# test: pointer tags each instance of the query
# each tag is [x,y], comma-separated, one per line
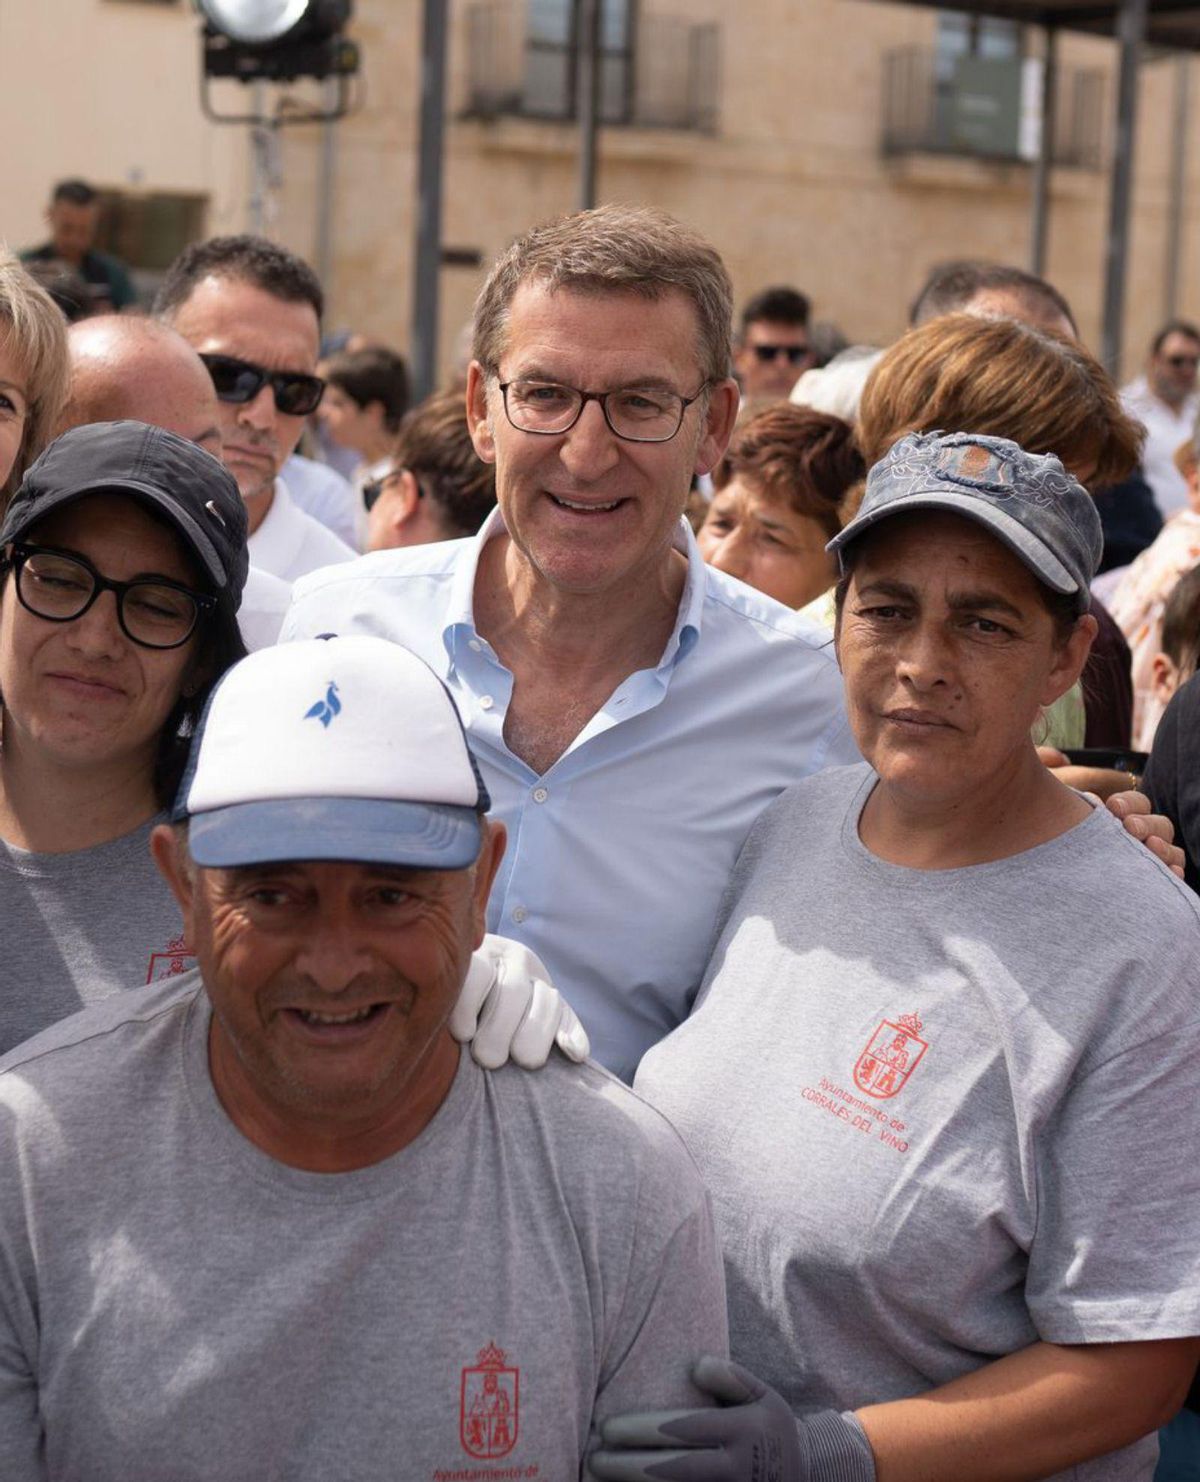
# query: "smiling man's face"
[590,511]
[331,983]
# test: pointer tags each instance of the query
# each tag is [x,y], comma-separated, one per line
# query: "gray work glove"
[752,1437]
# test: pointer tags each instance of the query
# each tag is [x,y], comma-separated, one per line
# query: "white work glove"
[509,1008]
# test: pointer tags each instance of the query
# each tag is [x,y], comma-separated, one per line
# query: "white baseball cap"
[332,748]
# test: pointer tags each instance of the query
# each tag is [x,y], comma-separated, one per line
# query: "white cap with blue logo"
[338,749]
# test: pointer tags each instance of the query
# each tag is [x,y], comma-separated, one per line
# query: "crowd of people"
[762,714]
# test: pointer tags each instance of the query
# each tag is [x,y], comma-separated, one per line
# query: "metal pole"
[1176,186]
[1040,223]
[260,166]
[1131,28]
[429,199]
[587,92]
[326,181]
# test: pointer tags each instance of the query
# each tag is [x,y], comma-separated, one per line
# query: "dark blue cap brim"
[29,512]
[420,836]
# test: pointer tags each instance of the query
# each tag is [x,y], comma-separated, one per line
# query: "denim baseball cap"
[184,485]
[1026,500]
[336,749]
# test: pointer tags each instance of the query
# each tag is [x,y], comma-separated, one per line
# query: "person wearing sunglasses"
[772,349]
[436,487]
[252,310]
[1166,399]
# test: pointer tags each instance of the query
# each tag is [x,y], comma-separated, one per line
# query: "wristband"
[838,1449]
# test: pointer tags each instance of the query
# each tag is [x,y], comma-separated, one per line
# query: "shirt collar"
[461,610]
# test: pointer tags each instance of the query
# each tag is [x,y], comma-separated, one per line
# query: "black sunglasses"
[795,353]
[372,491]
[239,381]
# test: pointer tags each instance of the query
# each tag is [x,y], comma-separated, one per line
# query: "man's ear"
[478,421]
[170,855]
[491,852]
[719,417]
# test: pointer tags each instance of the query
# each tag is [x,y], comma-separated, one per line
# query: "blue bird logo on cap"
[324,710]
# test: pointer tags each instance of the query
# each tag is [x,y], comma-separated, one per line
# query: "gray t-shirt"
[81,926]
[943,1114]
[176,1304]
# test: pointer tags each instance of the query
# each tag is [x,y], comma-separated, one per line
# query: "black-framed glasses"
[371,491]
[60,586]
[1184,362]
[638,414]
[793,353]
[239,381]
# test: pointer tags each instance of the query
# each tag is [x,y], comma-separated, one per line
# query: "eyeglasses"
[372,491]
[239,381]
[793,353]
[637,414]
[152,612]
[1184,362]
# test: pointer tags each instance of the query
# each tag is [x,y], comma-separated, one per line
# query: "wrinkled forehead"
[934,547]
[542,304]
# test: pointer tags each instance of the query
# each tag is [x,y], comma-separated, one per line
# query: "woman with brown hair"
[1008,379]
[781,491]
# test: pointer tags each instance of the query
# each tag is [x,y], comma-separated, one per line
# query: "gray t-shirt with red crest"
[175,1303]
[943,1114]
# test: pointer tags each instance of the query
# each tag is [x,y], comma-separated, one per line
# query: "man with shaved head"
[138,370]
[127,368]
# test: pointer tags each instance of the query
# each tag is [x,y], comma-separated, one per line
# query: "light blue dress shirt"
[618,855]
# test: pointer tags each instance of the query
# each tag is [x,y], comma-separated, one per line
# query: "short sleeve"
[1116,1254]
[672,1309]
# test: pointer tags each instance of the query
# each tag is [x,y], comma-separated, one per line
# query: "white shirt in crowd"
[322,492]
[289,544]
[1166,429]
[265,599]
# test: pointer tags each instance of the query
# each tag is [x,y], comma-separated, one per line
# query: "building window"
[551,52]
[149,229]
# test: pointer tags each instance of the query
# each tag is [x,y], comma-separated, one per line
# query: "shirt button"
[519,914]
[474,644]
[540,794]
[486,702]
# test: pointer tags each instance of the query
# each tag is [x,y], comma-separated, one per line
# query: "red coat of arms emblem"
[176,959]
[892,1054]
[489,1408]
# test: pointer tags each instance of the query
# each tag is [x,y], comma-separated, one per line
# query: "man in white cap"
[268,1219]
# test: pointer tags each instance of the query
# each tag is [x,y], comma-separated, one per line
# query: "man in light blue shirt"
[633,710]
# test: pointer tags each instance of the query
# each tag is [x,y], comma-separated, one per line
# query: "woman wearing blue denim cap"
[947,1055]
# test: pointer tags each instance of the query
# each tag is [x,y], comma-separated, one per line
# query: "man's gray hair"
[613,249]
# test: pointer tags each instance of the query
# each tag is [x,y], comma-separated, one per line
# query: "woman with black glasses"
[122,561]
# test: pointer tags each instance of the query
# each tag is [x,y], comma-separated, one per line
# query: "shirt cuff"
[838,1449]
